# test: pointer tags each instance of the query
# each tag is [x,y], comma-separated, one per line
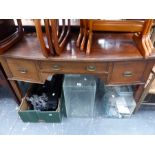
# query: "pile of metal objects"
[45,97]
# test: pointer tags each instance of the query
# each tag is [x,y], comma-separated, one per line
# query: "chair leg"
[144,93]
[80,34]
[84,36]
[89,43]
[143,45]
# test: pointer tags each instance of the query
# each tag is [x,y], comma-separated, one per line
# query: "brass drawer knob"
[91,68]
[22,70]
[56,67]
[128,74]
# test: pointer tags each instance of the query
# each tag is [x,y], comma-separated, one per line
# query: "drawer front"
[23,69]
[127,73]
[73,67]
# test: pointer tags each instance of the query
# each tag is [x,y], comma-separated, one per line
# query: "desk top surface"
[106,47]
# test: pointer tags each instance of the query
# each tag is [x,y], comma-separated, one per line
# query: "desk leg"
[7,84]
[14,85]
[137,96]
[16,90]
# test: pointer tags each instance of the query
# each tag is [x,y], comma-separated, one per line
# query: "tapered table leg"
[17,90]
[137,96]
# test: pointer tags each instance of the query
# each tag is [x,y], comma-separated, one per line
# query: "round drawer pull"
[22,70]
[91,68]
[56,67]
[127,74]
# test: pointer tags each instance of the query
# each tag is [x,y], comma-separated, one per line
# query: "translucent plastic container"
[79,95]
[118,102]
[125,105]
[124,90]
[109,103]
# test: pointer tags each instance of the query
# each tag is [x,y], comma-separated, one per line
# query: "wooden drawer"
[127,73]
[23,69]
[74,67]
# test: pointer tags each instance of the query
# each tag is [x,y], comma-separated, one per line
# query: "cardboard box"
[28,115]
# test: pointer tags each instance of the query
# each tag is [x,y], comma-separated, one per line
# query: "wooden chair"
[140,28]
[148,89]
[9,37]
[82,38]
[55,35]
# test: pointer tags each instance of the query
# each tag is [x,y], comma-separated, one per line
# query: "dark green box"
[34,116]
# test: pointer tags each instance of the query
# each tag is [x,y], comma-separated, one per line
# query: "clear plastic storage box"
[118,102]
[124,90]
[79,95]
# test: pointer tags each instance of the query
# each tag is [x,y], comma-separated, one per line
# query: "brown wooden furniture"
[82,38]
[9,33]
[140,28]
[5,83]
[149,89]
[56,38]
[114,59]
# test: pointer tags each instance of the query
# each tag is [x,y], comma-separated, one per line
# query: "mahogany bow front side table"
[114,58]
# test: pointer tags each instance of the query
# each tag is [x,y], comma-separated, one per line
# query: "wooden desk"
[114,58]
